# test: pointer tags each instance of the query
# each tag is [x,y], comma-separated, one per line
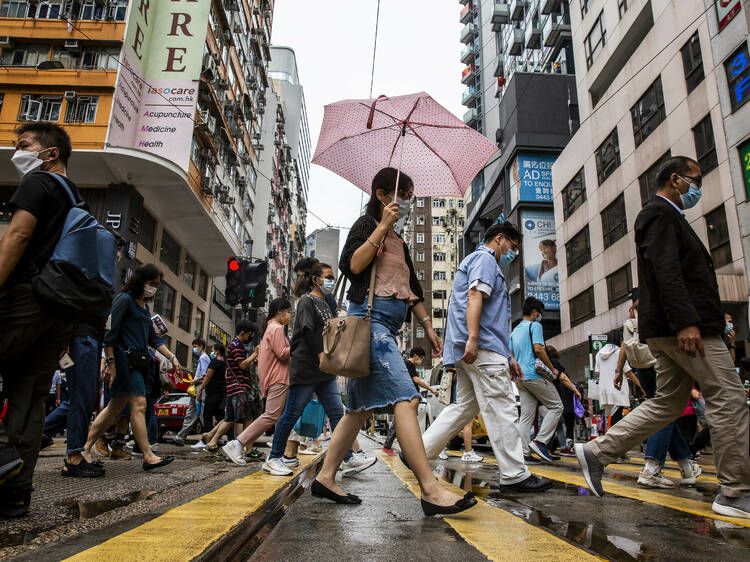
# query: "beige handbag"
[346,339]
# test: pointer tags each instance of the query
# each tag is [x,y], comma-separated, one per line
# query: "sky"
[418,50]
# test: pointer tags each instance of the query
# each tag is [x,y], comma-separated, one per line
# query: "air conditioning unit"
[72,45]
[69,95]
[203,119]
[241,179]
[217,58]
[209,67]
[221,188]
[256,136]
[252,84]
[237,28]
[211,124]
[226,200]
[223,83]
[6,42]
[267,14]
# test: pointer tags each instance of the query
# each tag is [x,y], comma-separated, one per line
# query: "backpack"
[638,354]
[77,281]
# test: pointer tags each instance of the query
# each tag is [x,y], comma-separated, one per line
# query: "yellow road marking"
[494,532]
[186,531]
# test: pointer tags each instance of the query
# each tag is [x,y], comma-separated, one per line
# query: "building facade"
[323,244]
[649,87]
[177,182]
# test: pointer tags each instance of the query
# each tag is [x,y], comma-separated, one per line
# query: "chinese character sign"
[533,175]
[540,257]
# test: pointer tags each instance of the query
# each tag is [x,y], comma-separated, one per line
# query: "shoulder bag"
[346,339]
[539,366]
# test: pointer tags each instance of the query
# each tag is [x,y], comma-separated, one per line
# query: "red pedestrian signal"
[233,264]
[246,282]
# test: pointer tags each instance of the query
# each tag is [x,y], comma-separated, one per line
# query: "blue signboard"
[540,257]
[738,77]
[535,177]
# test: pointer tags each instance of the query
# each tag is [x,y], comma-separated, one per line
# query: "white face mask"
[26,161]
[149,291]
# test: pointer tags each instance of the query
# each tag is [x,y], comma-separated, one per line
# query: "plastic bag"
[578,407]
[310,423]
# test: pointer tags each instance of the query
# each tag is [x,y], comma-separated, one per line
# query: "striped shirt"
[238,379]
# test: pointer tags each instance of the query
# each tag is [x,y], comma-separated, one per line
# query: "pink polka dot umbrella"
[413,133]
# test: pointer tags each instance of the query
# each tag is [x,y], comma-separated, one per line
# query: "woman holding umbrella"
[373,241]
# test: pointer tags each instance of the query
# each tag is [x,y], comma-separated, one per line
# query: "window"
[718,237]
[14,9]
[438,203]
[737,68]
[578,251]
[437,312]
[692,62]
[622,7]
[39,108]
[705,147]
[420,220]
[28,54]
[647,179]
[202,284]
[595,40]
[420,333]
[420,274]
[619,285]
[460,203]
[221,302]
[648,112]
[574,194]
[585,7]
[581,307]
[438,276]
[186,314]
[614,221]
[147,231]
[438,295]
[608,156]
[420,256]
[451,203]
[200,319]
[188,271]
[181,351]
[438,256]
[420,202]
[438,221]
[169,253]
[164,302]
[82,110]
[420,237]
[438,238]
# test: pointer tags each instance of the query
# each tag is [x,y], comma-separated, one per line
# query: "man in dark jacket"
[681,321]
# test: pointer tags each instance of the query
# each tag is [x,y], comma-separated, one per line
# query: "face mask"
[507,259]
[213,355]
[691,198]
[196,351]
[729,327]
[149,291]
[538,319]
[26,161]
[404,206]
[328,286]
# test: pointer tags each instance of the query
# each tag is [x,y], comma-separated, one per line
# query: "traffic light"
[246,282]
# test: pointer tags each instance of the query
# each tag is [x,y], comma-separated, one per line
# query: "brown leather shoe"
[102,447]
[118,451]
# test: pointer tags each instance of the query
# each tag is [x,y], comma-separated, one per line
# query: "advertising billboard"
[531,178]
[726,10]
[157,85]
[540,257]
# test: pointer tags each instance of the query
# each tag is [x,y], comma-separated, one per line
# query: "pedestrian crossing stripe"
[497,534]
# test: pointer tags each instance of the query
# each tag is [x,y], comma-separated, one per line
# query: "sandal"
[83,469]
[165,460]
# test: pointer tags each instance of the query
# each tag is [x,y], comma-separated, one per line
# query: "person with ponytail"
[273,372]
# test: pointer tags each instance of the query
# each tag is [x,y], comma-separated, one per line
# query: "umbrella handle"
[372,110]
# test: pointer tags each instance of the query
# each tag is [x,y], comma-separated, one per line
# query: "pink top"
[273,357]
[392,274]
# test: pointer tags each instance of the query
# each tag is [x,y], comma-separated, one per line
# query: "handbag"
[346,339]
[310,423]
[139,360]
[539,366]
[446,383]
[638,354]
[578,407]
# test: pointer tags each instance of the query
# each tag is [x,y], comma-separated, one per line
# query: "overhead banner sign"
[726,10]
[540,257]
[157,86]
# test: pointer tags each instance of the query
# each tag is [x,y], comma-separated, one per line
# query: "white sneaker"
[199,445]
[311,451]
[276,467]
[654,479]
[690,473]
[357,463]
[291,463]
[235,452]
[443,455]
[471,456]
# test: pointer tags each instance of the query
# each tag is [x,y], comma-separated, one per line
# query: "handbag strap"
[371,292]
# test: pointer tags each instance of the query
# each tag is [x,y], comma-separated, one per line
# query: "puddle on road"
[94,508]
[616,541]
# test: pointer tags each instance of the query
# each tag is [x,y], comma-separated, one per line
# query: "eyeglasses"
[698,181]
[513,245]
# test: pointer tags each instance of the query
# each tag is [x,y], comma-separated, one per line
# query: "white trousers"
[483,387]
[533,392]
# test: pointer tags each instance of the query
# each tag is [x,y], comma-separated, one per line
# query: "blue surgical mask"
[507,259]
[691,198]
[328,286]
[196,351]
[538,319]
[213,355]
[404,206]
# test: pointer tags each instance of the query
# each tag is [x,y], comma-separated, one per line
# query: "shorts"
[238,408]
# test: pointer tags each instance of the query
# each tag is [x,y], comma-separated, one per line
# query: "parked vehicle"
[170,412]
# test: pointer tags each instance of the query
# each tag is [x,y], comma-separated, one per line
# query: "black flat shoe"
[319,491]
[165,460]
[83,469]
[461,505]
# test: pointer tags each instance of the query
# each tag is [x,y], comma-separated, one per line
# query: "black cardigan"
[361,230]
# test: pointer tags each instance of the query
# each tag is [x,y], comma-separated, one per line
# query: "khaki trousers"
[726,409]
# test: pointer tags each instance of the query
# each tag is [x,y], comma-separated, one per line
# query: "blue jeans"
[298,397]
[669,438]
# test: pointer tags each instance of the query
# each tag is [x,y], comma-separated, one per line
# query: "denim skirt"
[389,381]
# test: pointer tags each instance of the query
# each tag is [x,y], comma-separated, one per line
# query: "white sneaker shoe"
[443,456]
[311,451]
[654,479]
[199,445]
[291,463]
[276,467]
[235,452]
[357,463]
[471,456]
[690,473]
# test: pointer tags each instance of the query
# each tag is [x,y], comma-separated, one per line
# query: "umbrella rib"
[395,120]
[368,131]
[435,153]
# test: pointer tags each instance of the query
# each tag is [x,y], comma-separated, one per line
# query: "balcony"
[499,65]
[468,33]
[467,54]
[469,97]
[533,35]
[517,8]
[500,15]
[468,75]
[471,117]
[555,28]
[515,45]
[467,14]
[549,6]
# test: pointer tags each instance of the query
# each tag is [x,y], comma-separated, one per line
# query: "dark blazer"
[676,275]
[362,228]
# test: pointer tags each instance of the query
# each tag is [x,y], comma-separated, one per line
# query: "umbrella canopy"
[413,133]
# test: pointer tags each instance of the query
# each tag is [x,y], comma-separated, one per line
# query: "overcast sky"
[418,50]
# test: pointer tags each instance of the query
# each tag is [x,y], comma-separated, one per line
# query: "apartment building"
[323,244]
[649,87]
[163,123]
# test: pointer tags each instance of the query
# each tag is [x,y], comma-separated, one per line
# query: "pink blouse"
[273,357]
[392,274]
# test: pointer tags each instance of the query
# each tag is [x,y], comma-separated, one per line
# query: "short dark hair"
[200,341]
[675,165]
[385,179]
[304,264]
[245,326]
[506,228]
[552,352]
[278,304]
[417,352]
[548,243]
[614,336]
[147,272]
[49,135]
[531,304]
[220,349]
